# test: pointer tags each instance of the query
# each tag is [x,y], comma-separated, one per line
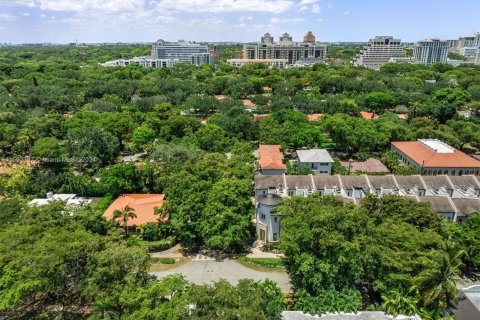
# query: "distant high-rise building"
[452,45]
[378,52]
[431,51]
[187,52]
[309,38]
[214,50]
[286,49]
[470,41]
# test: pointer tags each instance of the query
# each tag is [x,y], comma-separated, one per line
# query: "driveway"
[203,271]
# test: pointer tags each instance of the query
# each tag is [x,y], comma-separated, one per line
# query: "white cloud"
[25,14]
[7,17]
[243,19]
[304,2]
[329,6]
[89,5]
[304,8]
[14,3]
[320,20]
[218,6]
[286,20]
[43,16]
[316,8]
[346,13]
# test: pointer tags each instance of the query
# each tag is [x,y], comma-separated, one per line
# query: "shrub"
[266,262]
[160,245]
[163,260]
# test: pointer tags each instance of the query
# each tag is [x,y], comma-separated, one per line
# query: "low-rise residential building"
[146,62]
[68,198]
[361,315]
[315,116]
[270,160]
[317,160]
[455,199]
[433,157]
[143,206]
[368,115]
[279,63]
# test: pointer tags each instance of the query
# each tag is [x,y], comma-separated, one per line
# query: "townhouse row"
[454,197]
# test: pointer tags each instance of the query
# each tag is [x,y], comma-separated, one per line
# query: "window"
[275,219]
[262,216]
[275,236]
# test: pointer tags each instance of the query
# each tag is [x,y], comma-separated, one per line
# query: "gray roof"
[439,204]
[378,182]
[349,182]
[314,155]
[325,181]
[362,315]
[410,182]
[468,307]
[300,182]
[466,206]
[269,199]
[465,181]
[265,181]
[437,181]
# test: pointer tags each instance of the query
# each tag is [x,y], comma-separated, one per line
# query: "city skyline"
[64,21]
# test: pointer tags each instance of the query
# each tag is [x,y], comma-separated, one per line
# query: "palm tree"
[436,283]
[395,302]
[25,139]
[104,309]
[126,214]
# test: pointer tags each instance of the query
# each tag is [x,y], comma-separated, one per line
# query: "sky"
[65,21]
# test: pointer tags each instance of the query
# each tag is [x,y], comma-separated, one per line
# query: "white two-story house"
[317,160]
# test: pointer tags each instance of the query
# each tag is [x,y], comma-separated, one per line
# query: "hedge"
[163,260]
[266,262]
[160,245]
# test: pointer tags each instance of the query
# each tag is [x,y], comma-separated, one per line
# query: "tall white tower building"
[431,51]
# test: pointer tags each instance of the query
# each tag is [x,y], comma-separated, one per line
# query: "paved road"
[203,271]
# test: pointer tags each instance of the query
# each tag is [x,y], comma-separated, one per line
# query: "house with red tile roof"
[270,160]
[368,115]
[315,116]
[248,104]
[143,206]
[258,117]
[434,157]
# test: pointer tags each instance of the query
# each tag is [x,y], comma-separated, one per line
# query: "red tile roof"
[258,117]
[420,153]
[270,157]
[403,116]
[143,204]
[315,116]
[368,115]
[219,96]
[247,103]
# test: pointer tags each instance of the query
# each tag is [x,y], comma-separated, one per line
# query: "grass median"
[263,264]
